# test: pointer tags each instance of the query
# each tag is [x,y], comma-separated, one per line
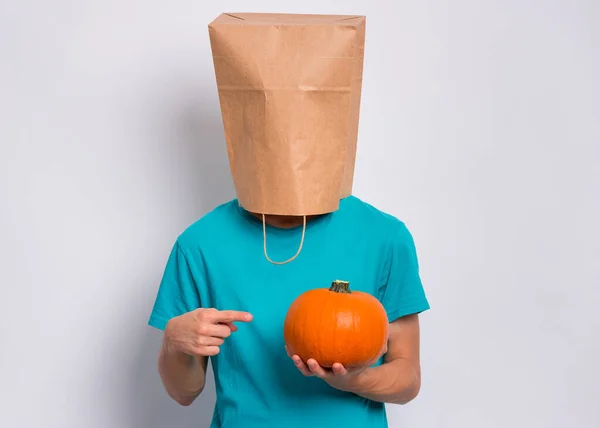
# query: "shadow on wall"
[196,135]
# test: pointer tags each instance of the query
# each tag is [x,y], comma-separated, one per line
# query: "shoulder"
[378,221]
[207,226]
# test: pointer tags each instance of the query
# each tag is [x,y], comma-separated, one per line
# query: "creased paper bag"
[289,89]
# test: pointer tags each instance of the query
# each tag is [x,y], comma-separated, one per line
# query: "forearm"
[397,381]
[182,375]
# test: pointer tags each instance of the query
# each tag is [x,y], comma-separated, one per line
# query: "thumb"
[230,324]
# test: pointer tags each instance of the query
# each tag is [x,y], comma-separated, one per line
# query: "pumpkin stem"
[340,287]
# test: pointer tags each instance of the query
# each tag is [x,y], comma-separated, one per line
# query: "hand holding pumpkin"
[338,376]
[336,333]
[202,331]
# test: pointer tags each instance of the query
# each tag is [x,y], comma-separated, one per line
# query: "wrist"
[362,382]
[170,351]
[167,345]
[178,357]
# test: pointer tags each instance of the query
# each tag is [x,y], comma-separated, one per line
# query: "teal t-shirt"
[219,262]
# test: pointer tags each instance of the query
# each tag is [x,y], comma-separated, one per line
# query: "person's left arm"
[397,380]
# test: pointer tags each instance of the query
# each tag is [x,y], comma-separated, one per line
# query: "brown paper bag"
[289,88]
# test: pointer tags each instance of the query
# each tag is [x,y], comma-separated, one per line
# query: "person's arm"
[183,376]
[188,341]
[398,379]
[192,333]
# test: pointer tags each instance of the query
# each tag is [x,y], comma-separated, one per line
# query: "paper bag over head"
[289,89]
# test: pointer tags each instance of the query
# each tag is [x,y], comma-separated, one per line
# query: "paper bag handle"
[265,242]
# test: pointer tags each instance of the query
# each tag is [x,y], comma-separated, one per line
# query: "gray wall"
[479,128]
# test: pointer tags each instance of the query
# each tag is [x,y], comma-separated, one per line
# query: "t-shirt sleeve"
[404,293]
[178,291]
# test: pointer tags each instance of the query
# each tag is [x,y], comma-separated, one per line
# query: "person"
[220,299]
[295,225]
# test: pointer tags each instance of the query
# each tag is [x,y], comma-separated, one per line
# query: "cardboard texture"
[289,89]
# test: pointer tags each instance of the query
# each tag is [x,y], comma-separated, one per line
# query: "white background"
[479,128]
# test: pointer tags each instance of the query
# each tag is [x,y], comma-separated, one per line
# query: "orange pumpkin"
[336,325]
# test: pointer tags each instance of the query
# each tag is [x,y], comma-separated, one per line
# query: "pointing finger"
[231,316]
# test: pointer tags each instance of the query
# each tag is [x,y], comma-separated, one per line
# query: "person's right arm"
[188,341]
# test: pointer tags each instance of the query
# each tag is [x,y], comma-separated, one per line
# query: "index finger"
[231,316]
